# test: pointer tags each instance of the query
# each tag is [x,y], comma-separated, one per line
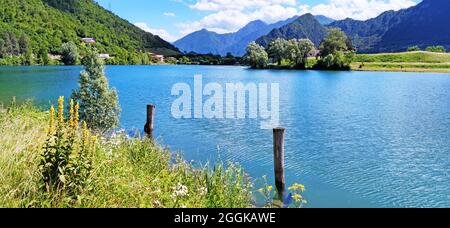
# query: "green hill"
[44,25]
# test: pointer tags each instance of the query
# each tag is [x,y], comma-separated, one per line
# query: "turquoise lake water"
[355,139]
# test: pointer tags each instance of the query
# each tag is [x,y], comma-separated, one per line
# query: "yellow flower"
[61,109]
[297,187]
[297,197]
[52,119]
[77,115]
[269,188]
[71,114]
[261,190]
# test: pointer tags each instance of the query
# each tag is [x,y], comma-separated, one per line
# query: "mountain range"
[304,27]
[49,23]
[426,24]
[205,42]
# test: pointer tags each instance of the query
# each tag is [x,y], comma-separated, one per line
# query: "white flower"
[180,191]
[203,191]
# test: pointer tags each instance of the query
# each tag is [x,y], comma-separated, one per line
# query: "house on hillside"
[54,57]
[158,58]
[104,56]
[88,40]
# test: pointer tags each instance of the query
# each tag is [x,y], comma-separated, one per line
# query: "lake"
[355,139]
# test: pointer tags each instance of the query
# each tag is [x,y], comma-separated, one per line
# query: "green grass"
[127,172]
[419,61]
[404,57]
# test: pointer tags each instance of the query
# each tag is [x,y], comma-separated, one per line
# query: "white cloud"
[356,9]
[169,14]
[231,15]
[160,32]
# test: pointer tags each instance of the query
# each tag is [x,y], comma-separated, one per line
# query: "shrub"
[413,48]
[69,52]
[65,164]
[257,56]
[439,49]
[99,105]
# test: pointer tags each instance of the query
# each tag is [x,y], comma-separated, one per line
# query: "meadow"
[418,61]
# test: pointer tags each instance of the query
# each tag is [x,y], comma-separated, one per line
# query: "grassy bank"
[126,172]
[403,62]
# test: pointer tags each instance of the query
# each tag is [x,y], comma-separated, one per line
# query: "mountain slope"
[425,24]
[205,41]
[49,23]
[304,27]
[324,20]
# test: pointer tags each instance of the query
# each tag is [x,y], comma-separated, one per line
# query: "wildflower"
[61,109]
[157,203]
[180,191]
[77,115]
[52,119]
[203,191]
[297,197]
[297,187]
[71,114]
[261,190]
[269,188]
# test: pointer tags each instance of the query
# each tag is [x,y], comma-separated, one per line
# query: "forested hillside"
[33,28]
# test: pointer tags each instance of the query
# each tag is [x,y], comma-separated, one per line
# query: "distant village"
[91,41]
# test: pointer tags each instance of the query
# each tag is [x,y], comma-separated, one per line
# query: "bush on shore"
[126,172]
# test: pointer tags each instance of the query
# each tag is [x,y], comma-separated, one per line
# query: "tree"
[69,52]
[335,41]
[23,44]
[336,50]
[277,50]
[99,105]
[2,52]
[305,46]
[257,56]
[413,48]
[43,57]
[440,49]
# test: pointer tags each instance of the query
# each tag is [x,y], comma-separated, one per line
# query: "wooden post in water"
[150,117]
[278,150]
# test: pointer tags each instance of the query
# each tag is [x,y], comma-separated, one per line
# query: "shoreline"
[369,67]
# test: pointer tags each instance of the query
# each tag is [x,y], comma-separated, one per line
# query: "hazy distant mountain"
[205,41]
[427,23]
[304,27]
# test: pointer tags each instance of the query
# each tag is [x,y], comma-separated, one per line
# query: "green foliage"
[336,51]
[99,105]
[69,53]
[208,59]
[277,50]
[256,56]
[65,165]
[122,172]
[336,41]
[413,48]
[47,24]
[439,49]
[303,48]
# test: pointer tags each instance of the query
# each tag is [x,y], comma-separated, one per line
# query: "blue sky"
[172,19]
